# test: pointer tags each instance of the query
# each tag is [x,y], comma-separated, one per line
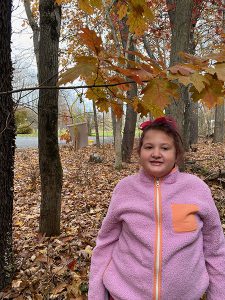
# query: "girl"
[162,238]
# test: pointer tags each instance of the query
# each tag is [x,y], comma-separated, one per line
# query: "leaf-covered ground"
[57,267]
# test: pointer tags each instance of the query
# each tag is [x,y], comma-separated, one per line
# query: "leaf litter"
[58,267]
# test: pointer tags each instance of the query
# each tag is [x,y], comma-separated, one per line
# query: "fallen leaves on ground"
[57,267]
[208,159]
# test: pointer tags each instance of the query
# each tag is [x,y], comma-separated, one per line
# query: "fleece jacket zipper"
[158,242]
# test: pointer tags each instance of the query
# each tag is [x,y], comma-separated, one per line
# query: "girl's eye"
[165,148]
[148,147]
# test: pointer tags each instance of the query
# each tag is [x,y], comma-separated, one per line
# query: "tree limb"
[66,87]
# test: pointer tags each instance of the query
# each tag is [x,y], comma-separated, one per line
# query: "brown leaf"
[90,39]
[71,265]
[182,69]
[59,288]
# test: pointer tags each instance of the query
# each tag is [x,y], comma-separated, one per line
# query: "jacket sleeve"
[106,240]
[214,251]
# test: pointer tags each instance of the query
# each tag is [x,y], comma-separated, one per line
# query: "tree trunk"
[118,122]
[7,146]
[129,130]
[147,48]
[118,141]
[131,119]
[49,159]
[181,28]
[219,124]
[35,28]
[193,105]
[219,113]
[113,124]
[187,116]
[96,125]
[180,20]
[194,123]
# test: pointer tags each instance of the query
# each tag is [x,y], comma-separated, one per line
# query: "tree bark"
[193,105]
[131,119]
[219,112]
[180,19]
[118,121]
[7,146]
[187,116]
[113,117]
[181,28]
[35,28]
[129,128]
[194,123]
[49,159]
[118,141]
[147,48]
[96,125]
[219,124]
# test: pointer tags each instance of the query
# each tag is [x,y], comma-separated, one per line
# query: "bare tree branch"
[66,87]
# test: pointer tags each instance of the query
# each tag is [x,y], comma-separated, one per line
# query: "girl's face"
[158,153]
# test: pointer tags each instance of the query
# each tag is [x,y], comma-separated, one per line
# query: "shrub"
[24,129]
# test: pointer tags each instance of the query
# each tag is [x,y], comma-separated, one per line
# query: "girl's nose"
[156,153]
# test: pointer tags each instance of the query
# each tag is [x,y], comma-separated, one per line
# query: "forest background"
[133,59]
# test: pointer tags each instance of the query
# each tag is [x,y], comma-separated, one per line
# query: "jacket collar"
[168,179]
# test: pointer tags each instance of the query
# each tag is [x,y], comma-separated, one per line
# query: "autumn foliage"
[95,52]
[205,75]
[108,74]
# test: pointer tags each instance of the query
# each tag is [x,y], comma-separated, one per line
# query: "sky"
[24,63]
[22,43]
[25,73]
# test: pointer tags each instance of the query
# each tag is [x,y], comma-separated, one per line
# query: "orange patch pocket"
[183,216]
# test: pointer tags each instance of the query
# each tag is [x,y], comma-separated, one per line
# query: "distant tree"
[35,28]
[7,146]
[220,111]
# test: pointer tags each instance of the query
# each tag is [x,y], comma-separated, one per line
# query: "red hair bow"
[145,124]
[161,120]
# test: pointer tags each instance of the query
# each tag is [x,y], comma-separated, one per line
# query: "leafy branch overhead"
[159,85]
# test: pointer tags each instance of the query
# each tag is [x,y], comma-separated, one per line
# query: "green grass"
[110,133]
[33,134]
[106,133]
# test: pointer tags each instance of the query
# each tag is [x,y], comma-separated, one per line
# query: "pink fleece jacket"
[159,241]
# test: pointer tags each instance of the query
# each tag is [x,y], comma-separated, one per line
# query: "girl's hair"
[167,125]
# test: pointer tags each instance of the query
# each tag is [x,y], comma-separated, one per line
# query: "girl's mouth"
[156,163]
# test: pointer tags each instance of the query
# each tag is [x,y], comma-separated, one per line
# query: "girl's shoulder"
[128,180]
[193,180]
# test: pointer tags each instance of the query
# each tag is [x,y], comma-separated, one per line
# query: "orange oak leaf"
[85,67]
[91,40]
[96,3]
[160,92]
[85,6]
[137,74]
[212,94]
[103,104]
[117,79]
[219,69]
[139,16]
[118,109]
[195,60]
[122,11]
[183,70]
